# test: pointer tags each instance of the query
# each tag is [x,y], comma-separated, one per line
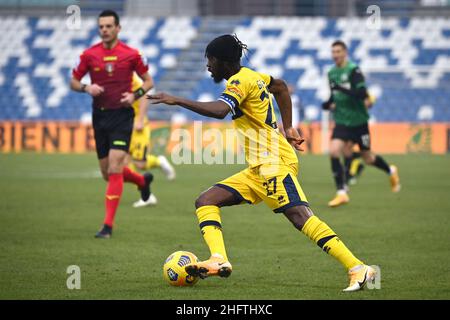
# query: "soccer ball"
[174,272]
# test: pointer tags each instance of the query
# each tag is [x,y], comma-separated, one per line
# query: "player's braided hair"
[226,48]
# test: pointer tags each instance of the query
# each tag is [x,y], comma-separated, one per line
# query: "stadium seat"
[407,61]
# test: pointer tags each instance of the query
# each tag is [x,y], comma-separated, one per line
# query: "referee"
[111,64]
[347,102]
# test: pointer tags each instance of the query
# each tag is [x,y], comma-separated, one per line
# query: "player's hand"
[294,138]
[127,99]
[162,98]
[94,90]
[139,125]
[368,102]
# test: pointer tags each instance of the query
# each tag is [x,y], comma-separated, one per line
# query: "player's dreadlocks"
[227,48]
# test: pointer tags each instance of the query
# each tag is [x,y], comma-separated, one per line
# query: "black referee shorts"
[112,129]
[359,135]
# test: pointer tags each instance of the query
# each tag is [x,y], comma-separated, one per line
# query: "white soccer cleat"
[167,168]
[150,202]
[359,276]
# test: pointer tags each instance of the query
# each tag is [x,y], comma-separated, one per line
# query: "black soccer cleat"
[145,191]
[104,233]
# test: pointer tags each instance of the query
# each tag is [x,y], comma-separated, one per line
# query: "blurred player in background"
[139,157]
[273,165]
[111,65]
[353,157]
[349,104]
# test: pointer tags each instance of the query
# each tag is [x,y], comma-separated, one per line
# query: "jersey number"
[268,121]
[365,140]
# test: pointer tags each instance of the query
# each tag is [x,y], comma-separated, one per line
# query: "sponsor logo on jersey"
[236,91]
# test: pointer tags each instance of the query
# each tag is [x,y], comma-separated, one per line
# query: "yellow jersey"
[254,118]
[136,84]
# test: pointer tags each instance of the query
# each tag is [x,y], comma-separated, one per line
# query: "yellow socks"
[210,224]
[321,233]
[314,228]
[152,161]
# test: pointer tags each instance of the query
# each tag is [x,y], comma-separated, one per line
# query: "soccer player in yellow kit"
[273,166]
[140,144]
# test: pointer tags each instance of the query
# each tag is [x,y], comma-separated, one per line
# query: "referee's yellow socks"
[211,227]
[321,233]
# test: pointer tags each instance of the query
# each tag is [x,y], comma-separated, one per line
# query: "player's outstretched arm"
[281,93]
[213,109]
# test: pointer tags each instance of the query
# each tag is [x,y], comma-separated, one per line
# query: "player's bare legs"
[298,216]
[377,161]
[304,220]
[208,213]
[103,164]
[337,147]
[348,149]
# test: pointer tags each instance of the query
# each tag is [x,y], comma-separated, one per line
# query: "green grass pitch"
[51,206]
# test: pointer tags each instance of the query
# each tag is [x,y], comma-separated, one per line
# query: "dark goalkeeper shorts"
[112,129]
[359,135]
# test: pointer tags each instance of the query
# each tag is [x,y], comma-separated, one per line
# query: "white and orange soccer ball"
[174,272]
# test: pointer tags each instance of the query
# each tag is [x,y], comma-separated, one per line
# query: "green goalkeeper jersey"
[350,110]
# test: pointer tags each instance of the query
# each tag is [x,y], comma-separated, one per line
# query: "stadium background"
[406,62]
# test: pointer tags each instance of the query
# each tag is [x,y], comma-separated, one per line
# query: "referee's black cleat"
[145,191]
[104,233]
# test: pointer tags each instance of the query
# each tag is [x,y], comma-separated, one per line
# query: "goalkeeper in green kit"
[348,102]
